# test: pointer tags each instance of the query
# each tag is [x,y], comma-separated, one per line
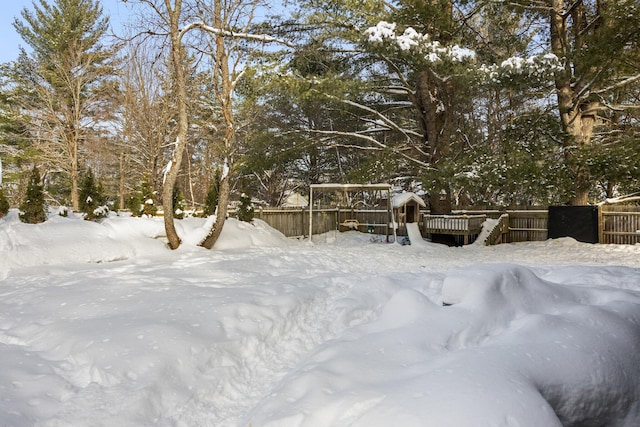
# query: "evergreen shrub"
[32,208]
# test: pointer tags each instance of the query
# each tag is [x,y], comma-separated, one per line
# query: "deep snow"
[101,325]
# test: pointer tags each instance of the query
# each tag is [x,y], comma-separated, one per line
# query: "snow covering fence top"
[453,224]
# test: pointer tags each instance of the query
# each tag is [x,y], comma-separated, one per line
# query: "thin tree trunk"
[224,92]
[221,213]
[173,168]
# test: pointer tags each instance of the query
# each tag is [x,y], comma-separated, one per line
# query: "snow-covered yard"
[101,325]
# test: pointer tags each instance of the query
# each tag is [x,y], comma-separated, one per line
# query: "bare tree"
[229,25]
[146,116]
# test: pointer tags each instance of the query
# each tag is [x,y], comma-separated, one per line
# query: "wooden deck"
[457,225]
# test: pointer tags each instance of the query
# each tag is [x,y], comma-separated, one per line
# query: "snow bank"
[513,350]
[243,235]
[64,240]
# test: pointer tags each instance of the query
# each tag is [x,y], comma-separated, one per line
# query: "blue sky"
[10,40]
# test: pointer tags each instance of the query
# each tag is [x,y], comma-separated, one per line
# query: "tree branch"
[263,38]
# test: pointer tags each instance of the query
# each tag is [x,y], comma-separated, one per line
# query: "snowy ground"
[101,325]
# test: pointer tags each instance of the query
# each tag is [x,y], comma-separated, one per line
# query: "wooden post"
[310,213]
[600,225]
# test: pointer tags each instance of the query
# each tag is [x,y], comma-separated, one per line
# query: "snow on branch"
[537,67]
[619,84]
[621,199]
[377,144]
[263,38]
[381,120]
[169,165]
[411,40]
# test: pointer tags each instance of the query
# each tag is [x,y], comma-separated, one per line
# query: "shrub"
[178,203]
[92,201]
[32,209]
[245,210]
[211,200]
[149,207]
[134,203]
[4,204]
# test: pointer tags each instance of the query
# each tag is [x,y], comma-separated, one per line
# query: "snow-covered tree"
[245,210]
[92,199]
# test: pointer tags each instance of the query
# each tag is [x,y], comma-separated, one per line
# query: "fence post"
[600,225]
[310,213]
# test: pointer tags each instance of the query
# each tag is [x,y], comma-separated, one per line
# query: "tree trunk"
[433,101]
[577,114]
[121,184]
[75,186]
[224,93]
[173,168]
[221,216]
[440,203]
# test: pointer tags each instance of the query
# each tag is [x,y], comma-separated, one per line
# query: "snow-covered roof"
[295,200]
[404,198]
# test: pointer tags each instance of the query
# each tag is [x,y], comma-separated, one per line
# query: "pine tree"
[32,209]
[92,200]
[149,207]
[4,204]
[211,200]
[66,66]
[245,210]
[178,203]
[134,203]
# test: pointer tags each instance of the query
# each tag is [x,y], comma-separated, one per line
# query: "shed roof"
[404,198]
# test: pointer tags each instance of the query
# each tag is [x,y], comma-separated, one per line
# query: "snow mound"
[69,240]
[63,240]
[512,350]
[243,235]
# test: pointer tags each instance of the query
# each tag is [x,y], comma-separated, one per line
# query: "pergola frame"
[351,188]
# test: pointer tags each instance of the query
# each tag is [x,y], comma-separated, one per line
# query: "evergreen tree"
[32,209]
[60,83]
[149,206]
[92,200]
[134,203]
[4,204]
[211,200]
[178,203]
[245,210]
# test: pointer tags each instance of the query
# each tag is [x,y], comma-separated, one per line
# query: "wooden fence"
[527,226]
[618,224]
[294,222]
